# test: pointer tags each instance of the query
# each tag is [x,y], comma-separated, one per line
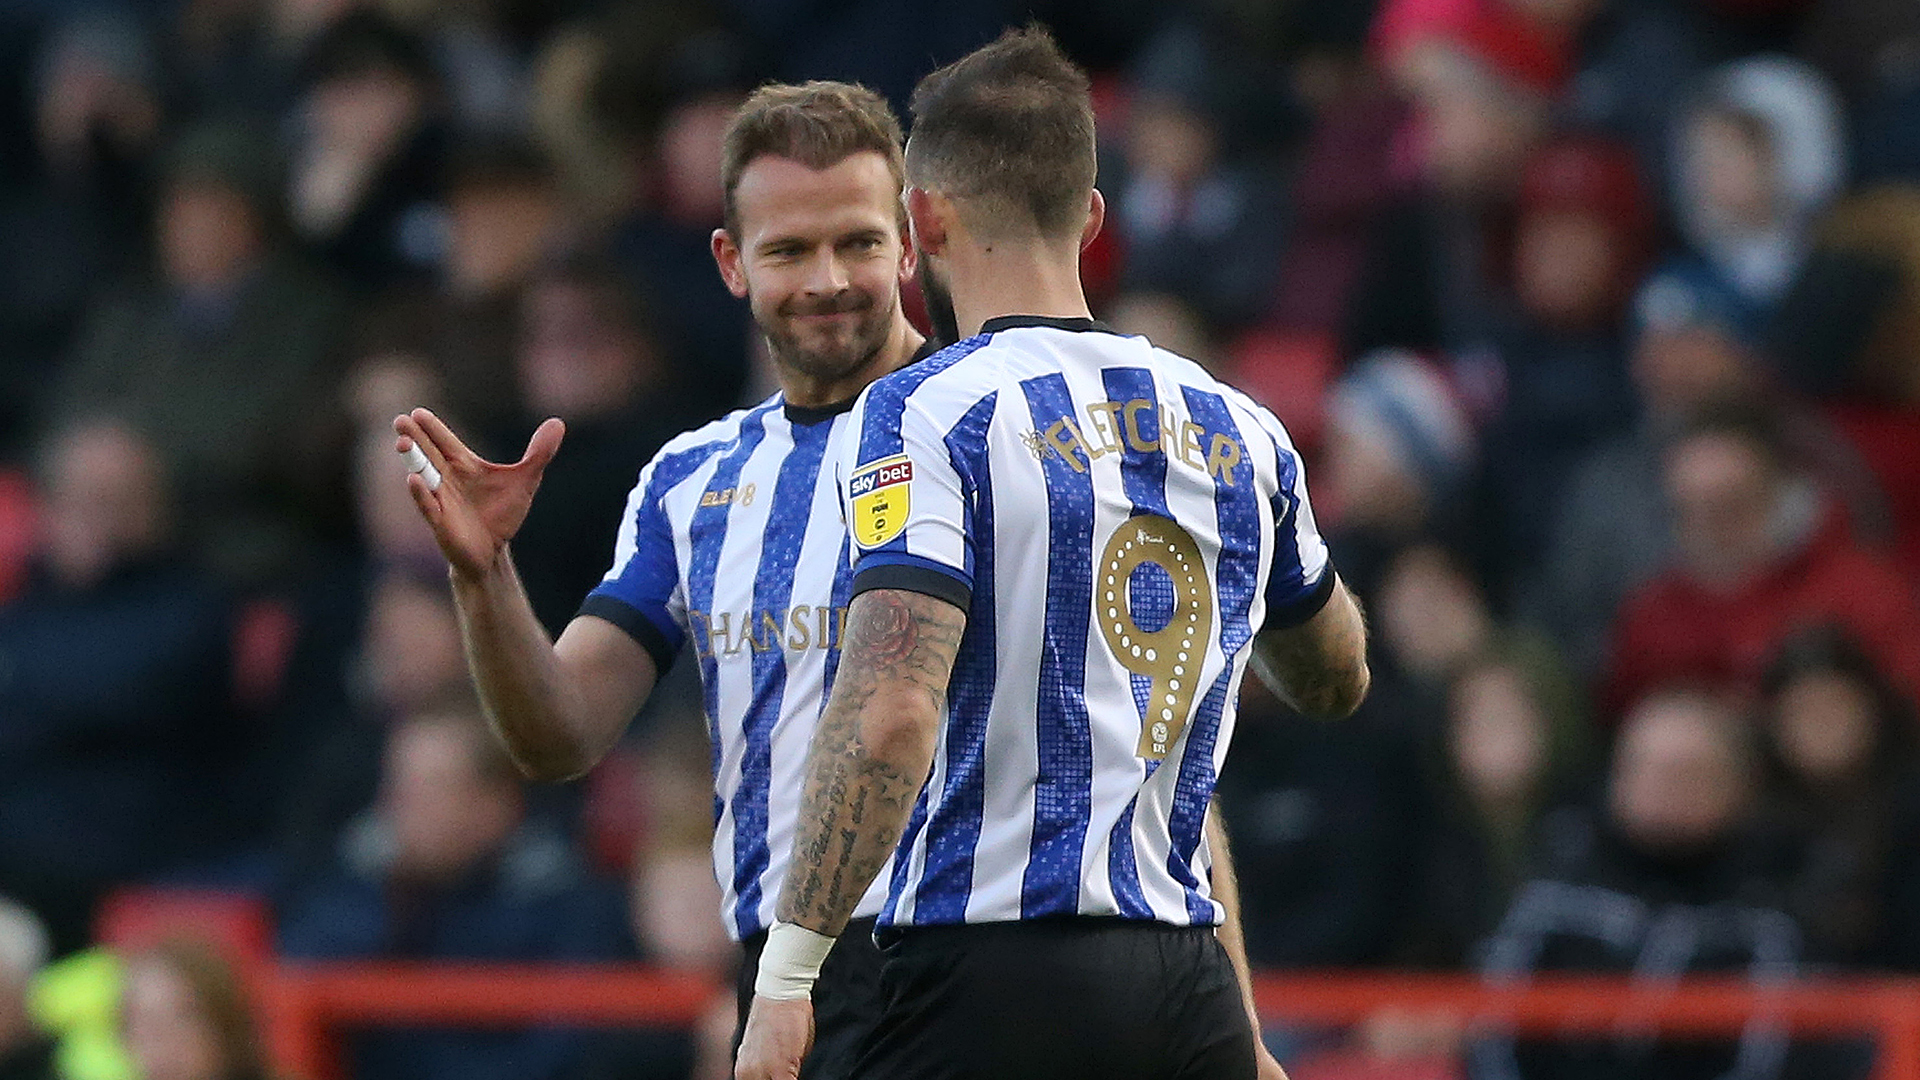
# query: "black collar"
[1009,322]
[813,414]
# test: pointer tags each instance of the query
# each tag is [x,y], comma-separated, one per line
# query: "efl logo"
[881,497]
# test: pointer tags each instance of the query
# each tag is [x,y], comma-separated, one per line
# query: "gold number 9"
[1170,656]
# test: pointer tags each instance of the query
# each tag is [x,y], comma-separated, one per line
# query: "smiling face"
[819,256]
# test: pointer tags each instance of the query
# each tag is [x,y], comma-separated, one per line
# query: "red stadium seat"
[239,925]
[1288,372]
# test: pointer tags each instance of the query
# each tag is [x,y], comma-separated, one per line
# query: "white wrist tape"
[791,962]
[416,460]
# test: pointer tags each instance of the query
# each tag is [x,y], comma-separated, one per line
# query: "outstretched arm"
[558,706]
[1233,938]
[869,760]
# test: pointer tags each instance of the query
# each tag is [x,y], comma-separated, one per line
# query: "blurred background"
[1597,322]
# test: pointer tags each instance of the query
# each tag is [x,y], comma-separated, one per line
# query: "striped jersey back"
[1117,524]
[733,547]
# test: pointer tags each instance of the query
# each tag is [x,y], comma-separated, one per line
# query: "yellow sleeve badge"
[880,494]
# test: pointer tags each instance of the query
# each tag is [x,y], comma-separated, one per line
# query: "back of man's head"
[1007,133]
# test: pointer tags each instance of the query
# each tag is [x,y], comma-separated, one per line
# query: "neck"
[811,392]
[1002,278]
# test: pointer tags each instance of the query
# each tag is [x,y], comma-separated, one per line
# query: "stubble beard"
[869,336]
[939,301]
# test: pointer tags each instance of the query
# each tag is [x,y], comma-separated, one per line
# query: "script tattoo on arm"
[1320,667]
[871,752]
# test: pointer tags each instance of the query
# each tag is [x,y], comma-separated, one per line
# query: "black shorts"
[1100,999]
[846,1000]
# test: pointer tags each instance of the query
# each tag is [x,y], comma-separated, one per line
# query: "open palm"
[480,504]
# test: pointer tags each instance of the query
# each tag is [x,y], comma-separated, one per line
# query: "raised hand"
[480,504]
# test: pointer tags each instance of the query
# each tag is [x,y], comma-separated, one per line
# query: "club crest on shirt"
[880,494]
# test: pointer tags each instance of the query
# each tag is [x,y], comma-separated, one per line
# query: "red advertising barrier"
[307,1006]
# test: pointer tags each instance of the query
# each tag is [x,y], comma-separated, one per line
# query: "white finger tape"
[416,460]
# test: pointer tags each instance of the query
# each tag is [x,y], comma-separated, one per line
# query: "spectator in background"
[121,751]
[1850,332]
[1324,823]
[672,894]
[221,356]
[390,367]
[1672,875]
[593,156]
[504,218]
[480,52]
[184,1015]
[587,354]
[1433,617]
[667,247]
[1345,177]
[1695,349]
[1513,748]
[1867,47]
[672,891]
[1610,530]
[1433,278]
[1758,154]
[1581,242]
[1632,60]
[407,659]
[448,866]
[1169,322]
[1838,744]
[80,211]
[1758,554]
[97,102]
[1198,217]
[25,1053]
[1399,453]
[369,153]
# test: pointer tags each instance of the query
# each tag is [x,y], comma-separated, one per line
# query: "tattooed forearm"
[1320,667]
[871,752]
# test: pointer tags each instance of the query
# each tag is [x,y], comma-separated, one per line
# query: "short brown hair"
[1009,125]
[818,124]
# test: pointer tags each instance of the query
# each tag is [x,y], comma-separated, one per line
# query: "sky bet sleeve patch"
[881,495]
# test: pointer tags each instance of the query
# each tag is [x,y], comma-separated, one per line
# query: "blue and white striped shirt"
[733,544]
[1117,524]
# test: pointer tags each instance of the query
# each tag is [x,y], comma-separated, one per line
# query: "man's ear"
[928,215]
[726,255]
[909,258]
[1096,217]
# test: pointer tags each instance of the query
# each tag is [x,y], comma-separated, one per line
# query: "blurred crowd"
[1596,321]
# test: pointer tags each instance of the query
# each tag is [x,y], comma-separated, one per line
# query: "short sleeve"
[907,503]
[641,592]
[1301,580]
